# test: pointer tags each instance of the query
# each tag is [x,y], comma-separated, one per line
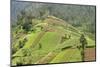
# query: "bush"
[22,43]
[14,50]
[27,26]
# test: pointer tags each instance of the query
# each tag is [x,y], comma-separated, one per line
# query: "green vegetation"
[52,34]
[67,56]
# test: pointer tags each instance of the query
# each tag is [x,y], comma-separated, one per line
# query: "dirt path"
[90,54]
[47,58]
[38,38]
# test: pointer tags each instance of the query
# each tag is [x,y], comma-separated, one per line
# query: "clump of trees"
[78,16]
[24,21]
[26,26]
[83,42]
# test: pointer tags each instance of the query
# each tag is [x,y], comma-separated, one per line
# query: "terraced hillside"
[51,40]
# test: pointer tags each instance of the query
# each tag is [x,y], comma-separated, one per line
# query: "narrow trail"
[38,38]
[47,58]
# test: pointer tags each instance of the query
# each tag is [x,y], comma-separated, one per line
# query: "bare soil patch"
[90,54]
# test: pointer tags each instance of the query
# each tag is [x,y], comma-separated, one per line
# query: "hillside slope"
[53,41]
